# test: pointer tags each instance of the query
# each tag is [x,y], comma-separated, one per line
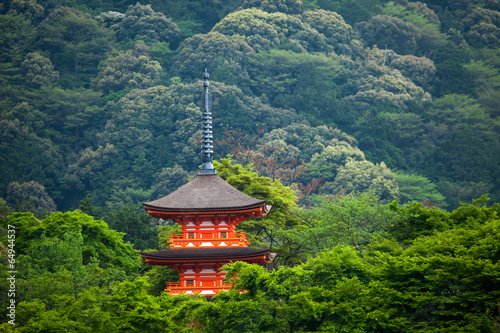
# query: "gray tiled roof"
[206,253]
[205,193]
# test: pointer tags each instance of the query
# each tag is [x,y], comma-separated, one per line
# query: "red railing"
[176,288]
[178,240]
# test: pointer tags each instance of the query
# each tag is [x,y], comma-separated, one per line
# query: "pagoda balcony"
[175,288]
[179,241]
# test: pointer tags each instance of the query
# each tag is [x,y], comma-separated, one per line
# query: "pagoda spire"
[207,147]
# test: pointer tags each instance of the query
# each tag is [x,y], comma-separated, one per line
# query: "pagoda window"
[223,234]
[190,234]
[189,283]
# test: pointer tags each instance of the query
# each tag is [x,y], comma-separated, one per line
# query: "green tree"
[29,117]
[424,19]
[284,6]
[310,140]
[420,70]
[364,176]
[30,197]
[369,83]
[168,180]
[413,187]
[16,40]
[133,69]
[352,12]
[25,157]
[38,70]
[77,44]
[98,240]
[69,114]
[137,225]
[446,279]
[302,81]
[327,163]
[384,30]
[31,9]
[143,23]
[339,34]
[354,219]
[225,57]
[481,27]
[463,143]
[486,75]
[265,31]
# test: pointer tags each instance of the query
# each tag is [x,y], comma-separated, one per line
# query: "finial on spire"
[207,140]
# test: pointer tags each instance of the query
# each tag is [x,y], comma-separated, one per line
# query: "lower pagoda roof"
[206,193]
[206,254]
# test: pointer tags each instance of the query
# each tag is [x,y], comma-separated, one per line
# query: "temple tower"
[208,209]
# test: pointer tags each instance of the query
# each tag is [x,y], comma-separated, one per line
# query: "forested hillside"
[100,99]
[372,126]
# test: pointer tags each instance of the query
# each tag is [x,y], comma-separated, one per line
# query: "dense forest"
[371,126]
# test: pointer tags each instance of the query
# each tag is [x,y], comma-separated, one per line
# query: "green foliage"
[417,220]
[25,156]
[327,163]
[264,31]
[68,113]
[135,223]
[38,70]
[466,137]
[133,69]
[442,282]
[420,70]
[446,278]
[354,219]
[271,6]
[481,27]
[424,19]
[417,188]
[382,30]
[143,23]
[364,176]
[30,197]
[98,240]
[168,180]
[76,41]
[353,11]
[224,55]
[296,80]
[309,140]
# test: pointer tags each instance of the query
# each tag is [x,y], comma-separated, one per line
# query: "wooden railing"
[176,288]
[179,241]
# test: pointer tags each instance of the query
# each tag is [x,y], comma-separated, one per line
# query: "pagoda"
[208,209]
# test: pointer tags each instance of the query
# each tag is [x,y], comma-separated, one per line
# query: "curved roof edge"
[206,193]
[225,253]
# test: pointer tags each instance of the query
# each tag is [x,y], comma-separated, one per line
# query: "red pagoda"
[208,209]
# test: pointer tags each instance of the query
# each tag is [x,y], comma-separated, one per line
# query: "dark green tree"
[137,225]
[143,23]
[77,43]
[382,30]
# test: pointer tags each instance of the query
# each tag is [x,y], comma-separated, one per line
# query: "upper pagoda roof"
[206,193]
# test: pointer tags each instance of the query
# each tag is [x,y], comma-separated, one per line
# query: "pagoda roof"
[206,193]
[202,254]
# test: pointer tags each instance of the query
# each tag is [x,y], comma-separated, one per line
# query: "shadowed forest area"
[371,126]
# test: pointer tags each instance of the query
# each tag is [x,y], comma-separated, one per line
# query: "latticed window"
[223,234]
[189,283]
[191,235]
